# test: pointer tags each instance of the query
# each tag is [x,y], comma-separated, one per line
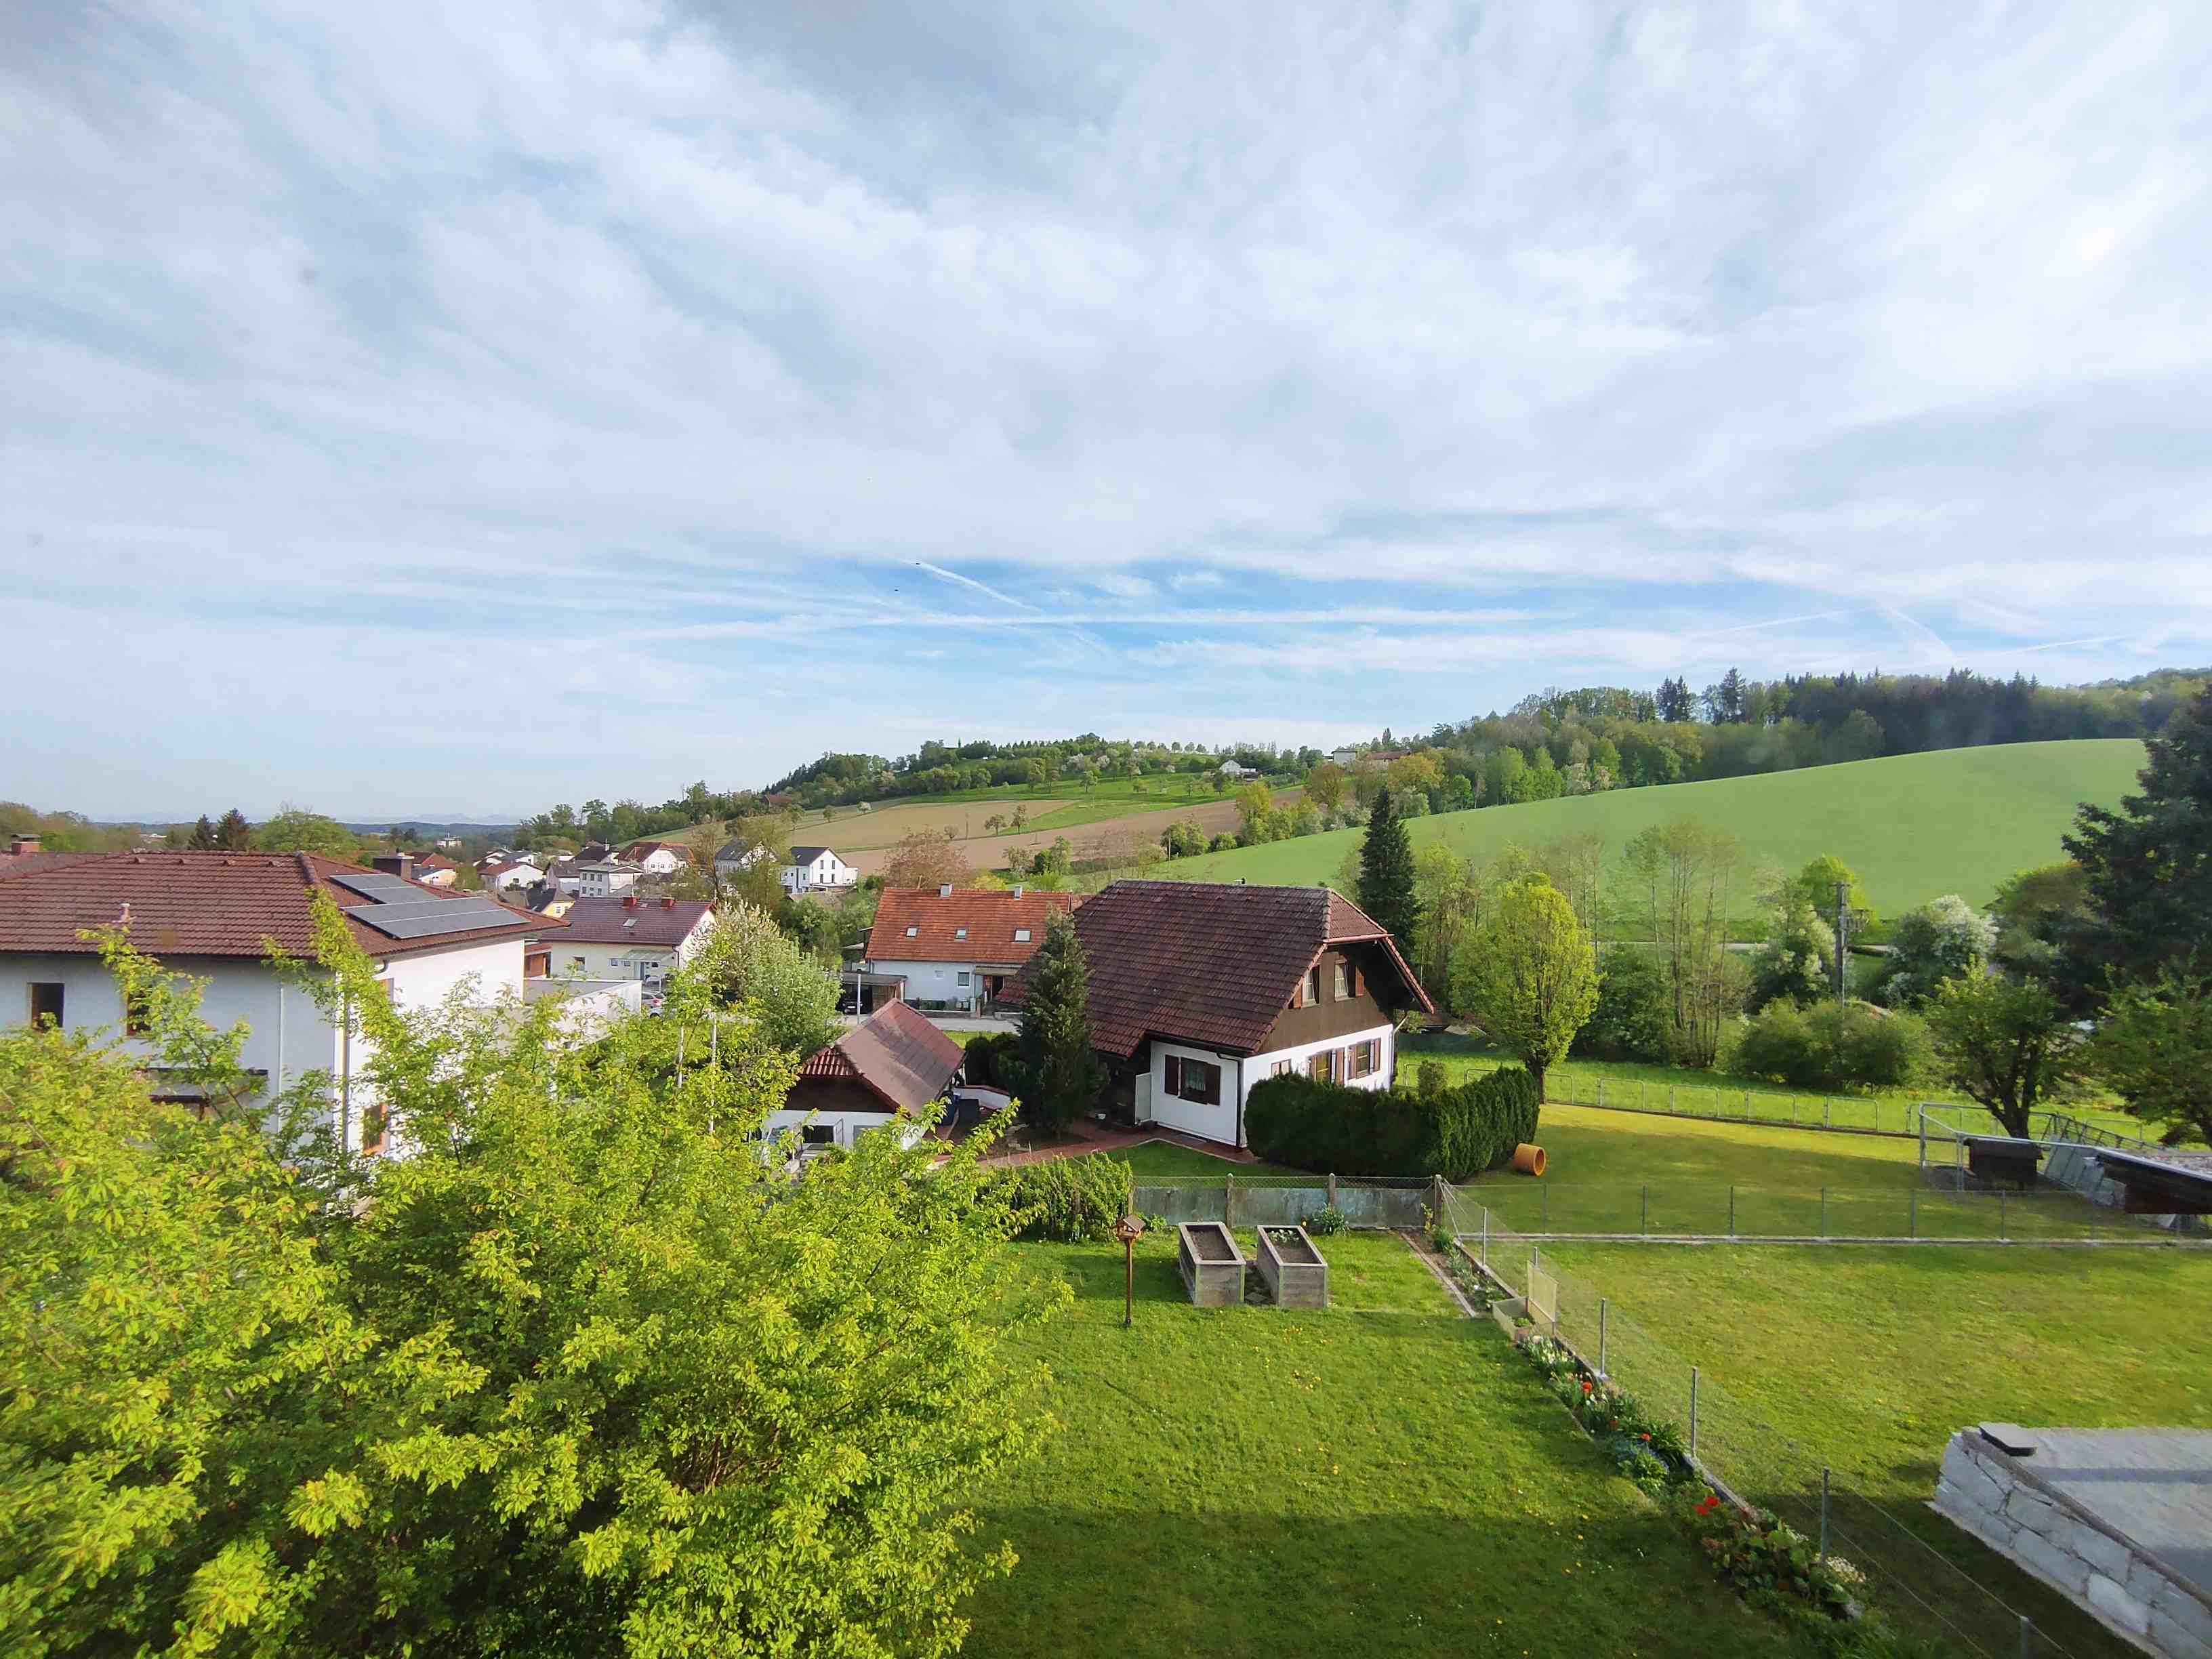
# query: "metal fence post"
[1828,1114]
[1913,1207]
[1332,1189]
[1229,1200]
[1670,1097]
[1486,1235]
[1601,1092]
[1694,1413]
[1824,1511]
[1600,1336]
[1824,1211]
[2001,1215]
[1731,1209]
[1643,1095]
[2026,1638]
[1647,1209]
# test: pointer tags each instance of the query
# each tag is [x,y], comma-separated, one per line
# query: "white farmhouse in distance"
[811,869]
[508,873]
[1232,771]
[737,856]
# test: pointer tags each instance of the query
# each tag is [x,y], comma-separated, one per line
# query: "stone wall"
[2002,1500]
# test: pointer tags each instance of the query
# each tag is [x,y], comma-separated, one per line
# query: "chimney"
[629,901]
[401,865]
[24,844]
[668,901]
[1020,887]
[944,889]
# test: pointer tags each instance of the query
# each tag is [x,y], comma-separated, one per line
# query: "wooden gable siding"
[1332,1016]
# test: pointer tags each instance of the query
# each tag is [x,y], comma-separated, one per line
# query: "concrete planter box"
[1291,1269]
[1213,1266]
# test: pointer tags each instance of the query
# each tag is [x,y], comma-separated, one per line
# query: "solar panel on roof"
[400,909]
[377,884]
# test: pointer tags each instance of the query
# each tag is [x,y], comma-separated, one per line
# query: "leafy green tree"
[295,830]
[2005,1046]
[588,1376]
[1325,786]
[1184,838]
[1056,1071]
[1501,774]
[1528,977]
[2147,868]
[1816,885]
[2036,912]
[1793,964]
[1386,873]
[1256,816]
[1945,938]
[781,987]
[2153,1046]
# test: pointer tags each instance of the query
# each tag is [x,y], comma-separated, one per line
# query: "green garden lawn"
[1914,827]
[1383,1477]
[1867,1359]
[1162,1158]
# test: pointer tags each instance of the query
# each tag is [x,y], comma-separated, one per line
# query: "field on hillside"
[1110,826]
[1384,1477]
[1914,827]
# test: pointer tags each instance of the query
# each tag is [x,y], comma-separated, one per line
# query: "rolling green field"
[1914,827]
[1384,1477]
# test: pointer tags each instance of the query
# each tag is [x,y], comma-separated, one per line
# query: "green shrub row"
[1454,1133]
[1831,1047]
[1063,1200]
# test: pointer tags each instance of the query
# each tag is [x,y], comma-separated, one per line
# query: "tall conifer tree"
[1056,1071]
[1386,873]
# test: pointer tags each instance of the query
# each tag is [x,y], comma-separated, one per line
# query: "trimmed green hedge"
[1454,1133]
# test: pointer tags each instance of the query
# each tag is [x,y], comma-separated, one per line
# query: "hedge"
[1330,1128]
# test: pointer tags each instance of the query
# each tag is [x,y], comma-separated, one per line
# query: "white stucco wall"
[934,981]
[526,875]
[845,1125]
[827,870]
[1224,1122]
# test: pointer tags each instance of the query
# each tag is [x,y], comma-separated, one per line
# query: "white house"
[213,915]
[630,937]
[657,858]
[602,878]
[939,947]
[505,874]
[1232,771]
[810,869]
[890,1066]
[1199,992]
[736,856]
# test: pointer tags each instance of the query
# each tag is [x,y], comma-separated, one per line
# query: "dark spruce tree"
[1055,1070]
[203,839]
[1386,873]
[233,834]
[2147,868]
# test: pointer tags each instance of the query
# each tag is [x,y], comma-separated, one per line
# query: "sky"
[445,410]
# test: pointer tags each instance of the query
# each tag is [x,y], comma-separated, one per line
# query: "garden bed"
[1211,1265]
[1293,1270]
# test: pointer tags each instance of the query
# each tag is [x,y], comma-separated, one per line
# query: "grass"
[1162,1158]
[1914,827]
[1679,1089]
[1061,804]
[1867,1361]
[1381,1478]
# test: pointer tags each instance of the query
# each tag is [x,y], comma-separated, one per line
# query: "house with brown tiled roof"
[657,858]
[954,949]
[1198,991]
[627,937]
[218,915]
[891,1066]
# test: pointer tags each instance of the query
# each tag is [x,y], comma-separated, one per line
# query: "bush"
[1634,1013]
[1831,1047]
[1326,1222]
[988,1057]
[1454,1133]
[1065,1200]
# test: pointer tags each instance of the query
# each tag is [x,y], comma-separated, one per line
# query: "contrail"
[969,581]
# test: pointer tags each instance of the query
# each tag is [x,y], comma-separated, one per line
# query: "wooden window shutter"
[1173,1069]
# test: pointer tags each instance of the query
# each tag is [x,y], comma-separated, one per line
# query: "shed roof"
[896,1053]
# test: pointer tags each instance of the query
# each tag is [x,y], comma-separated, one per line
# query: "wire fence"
[1923,1571]
[1909,1210]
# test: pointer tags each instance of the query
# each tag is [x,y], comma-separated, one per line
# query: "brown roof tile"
[896,1052]
[206,905]
[1211,964]
[991,917]
[621,921]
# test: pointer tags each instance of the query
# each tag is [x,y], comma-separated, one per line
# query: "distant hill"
[1914,827]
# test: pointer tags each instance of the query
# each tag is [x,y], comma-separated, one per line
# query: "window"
[372,1130]
[1312,986]
[1366,1057]
[1343,982]
[1021,936]
[819,1134]
[960,932]
[135,1016]
[46,1002]
[1326,1066]
[911,931]
[1195,1080]
[1280,1068]
[964,979]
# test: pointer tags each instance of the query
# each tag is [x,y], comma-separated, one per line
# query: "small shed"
[2160,1182]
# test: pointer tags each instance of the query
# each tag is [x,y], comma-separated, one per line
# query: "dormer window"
[1313,985]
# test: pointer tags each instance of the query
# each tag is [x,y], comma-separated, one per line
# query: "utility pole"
[1842,938]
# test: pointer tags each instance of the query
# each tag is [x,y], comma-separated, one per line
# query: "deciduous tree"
[1529,978]
[927,858]
[2006,1046]
[2153,1046]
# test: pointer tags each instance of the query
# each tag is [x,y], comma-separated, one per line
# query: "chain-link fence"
[1396,1203]
[1908,1209]
[1923,1571]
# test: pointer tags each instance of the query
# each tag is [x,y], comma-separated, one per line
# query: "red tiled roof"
[206,905]
[1211,964]
[992,919]
[896,1053]
[637,851]
[651,921]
